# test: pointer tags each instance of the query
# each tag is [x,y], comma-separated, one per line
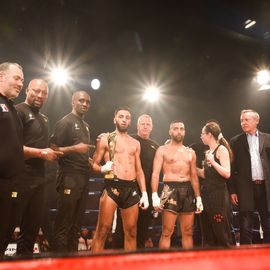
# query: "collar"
[10,101]
[32,108]
[256,134]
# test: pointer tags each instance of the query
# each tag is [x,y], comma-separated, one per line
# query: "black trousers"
[6,213]
[247,217]
[144,221]
[73,191]
[30,209]
[215,220]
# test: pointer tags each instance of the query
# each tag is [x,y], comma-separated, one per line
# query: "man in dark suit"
[250,181]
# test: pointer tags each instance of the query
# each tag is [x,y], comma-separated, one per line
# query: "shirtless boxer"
[178,164]
[120,190]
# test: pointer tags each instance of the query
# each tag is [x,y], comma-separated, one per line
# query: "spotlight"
[95,84]
[249,23]
[151,94]
[263,77]
[59,76]
[264,87]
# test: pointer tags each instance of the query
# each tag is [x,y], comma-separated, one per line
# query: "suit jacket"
[241,178]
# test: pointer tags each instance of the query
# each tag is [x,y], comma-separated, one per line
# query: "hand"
[107,167]
[234,199]
[156,201]
[209,159]
[50,154]
[144,203]
[199,205]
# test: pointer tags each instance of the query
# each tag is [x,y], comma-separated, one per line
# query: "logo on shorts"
[115,191]
[134,193]
[14,194]
[67,191]
[172,201]
[4,107]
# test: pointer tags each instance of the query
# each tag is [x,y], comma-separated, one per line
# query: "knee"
[187,231]
[102,230]
[131,232]
[167,232]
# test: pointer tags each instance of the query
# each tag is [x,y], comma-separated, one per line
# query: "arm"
[81,148]
[101,149]
[195,183]
[193,174]
[157,166]
[139,171]
[200,172]
[62,138]
[231,182]
[224,168]
[144,202]
[45,153]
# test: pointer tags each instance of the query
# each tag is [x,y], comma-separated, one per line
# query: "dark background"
[197,52]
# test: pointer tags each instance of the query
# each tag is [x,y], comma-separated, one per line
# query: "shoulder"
[65,120]
[238,137]
[163,148]
[222,149]
[19,106]
[46,119]
[153,143]
[133,140]
[267,135]
[22,108]
[190,152]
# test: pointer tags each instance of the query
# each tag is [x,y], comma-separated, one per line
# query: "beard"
[121,129]
[178,138]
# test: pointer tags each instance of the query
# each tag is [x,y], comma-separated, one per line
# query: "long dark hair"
[215,130]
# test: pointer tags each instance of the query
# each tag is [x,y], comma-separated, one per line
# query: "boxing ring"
[242,258]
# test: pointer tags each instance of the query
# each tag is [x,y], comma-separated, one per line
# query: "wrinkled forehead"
[145,120]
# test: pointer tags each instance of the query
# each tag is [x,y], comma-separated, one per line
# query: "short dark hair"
[124,108]
[176,121]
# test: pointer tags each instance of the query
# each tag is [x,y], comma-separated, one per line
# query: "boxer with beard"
[178,164]
[122,172]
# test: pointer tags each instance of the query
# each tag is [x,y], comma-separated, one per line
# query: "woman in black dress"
[215,219]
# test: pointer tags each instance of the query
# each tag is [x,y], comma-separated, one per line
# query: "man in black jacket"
[250,181]
[11,155]
[72,137]
[30,184]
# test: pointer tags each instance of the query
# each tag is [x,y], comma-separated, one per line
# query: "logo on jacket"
[76,126]
[4,107]
[31,116]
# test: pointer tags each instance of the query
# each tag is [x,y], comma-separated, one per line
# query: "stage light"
[59,76]
[95,84]
[151,94]
[264,87]
[249,23]
[263,77]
